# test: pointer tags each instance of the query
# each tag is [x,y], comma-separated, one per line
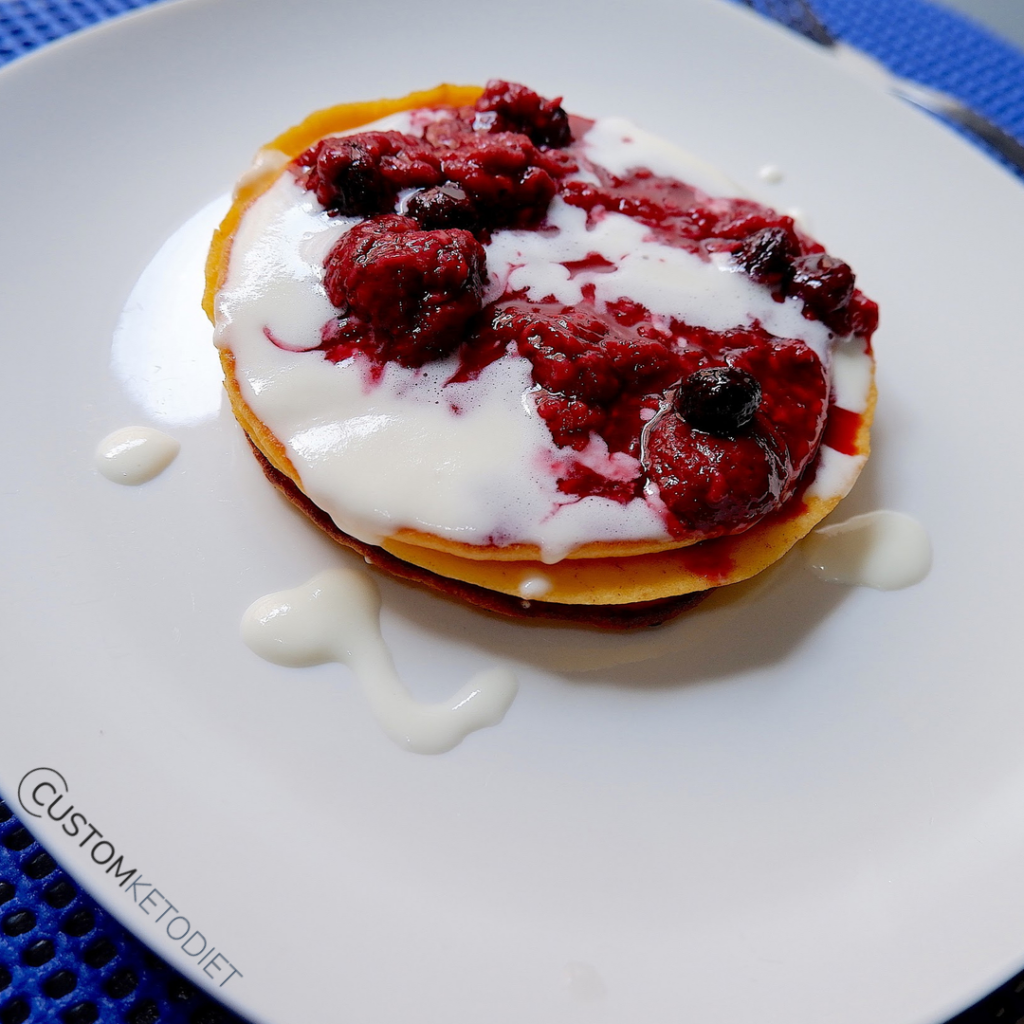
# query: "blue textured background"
[25,24]
[63,958]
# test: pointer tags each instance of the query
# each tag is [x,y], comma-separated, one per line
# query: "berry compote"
[715,425]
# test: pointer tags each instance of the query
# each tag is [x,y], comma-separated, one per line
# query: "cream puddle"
[885,550]
[133,455]
[335,616]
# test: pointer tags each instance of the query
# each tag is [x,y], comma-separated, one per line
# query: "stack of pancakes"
[604,583]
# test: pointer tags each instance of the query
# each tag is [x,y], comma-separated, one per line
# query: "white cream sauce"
[835,473]
[472,462]
[133,455]
[535,585]
[618,146]
[670,282]
[335,616]
[884,549]
[851,374]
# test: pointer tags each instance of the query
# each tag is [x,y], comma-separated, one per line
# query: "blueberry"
[719,400]
[446,206]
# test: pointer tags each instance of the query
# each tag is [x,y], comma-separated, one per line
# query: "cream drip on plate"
[885,550]
[335,616]
[473,462]
[134,455]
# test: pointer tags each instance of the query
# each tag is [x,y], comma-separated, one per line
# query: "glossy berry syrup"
[719,425]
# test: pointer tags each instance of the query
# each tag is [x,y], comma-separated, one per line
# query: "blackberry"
[824,283]
[767,255]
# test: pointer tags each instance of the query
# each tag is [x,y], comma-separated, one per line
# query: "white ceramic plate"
[804,804]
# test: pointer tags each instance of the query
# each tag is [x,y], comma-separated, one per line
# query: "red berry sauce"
[408,283]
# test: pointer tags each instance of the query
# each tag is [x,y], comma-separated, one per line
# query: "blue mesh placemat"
[25,24]
[937,47]
[62,957]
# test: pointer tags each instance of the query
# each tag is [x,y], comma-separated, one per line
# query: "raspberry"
[718,481]
[794,395]
[712,484]
[479,168]
[404,294]
[566,348]
[638,360]
[569,363]
[519,109]
[594,373]
[738,219]
[361,175]
[504,176]
[570,420]
[663,204]
[451,132]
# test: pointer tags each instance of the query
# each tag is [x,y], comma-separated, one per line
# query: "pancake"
[625,393]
